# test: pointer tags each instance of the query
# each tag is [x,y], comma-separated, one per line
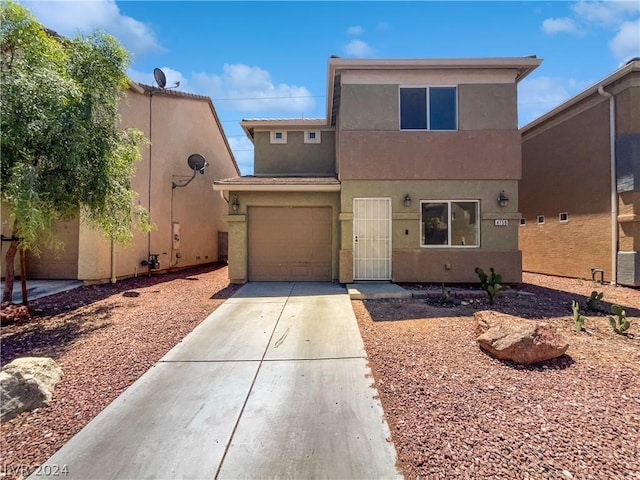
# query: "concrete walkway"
[273,384]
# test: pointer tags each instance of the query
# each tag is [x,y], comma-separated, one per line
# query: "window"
[312,136]
[523,222]
[428,108]
[450,223]
[564,217]
[540,219]
[278,136]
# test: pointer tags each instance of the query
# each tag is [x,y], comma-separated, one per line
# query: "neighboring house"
[399,182]
[580,188]
[188,220]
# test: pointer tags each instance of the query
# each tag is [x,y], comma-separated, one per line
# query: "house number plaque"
[501,223]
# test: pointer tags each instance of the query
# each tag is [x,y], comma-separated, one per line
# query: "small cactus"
[619,322]
[445,296]
[578,320]
[593,304]
[490,283]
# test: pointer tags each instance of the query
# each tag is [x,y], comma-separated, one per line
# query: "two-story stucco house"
[411,177]
[188,220]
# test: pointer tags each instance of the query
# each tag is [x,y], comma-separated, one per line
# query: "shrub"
[593,304]
[619,322]
[490,283]
[578,319]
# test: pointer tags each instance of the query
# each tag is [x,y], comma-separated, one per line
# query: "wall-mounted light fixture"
[503,200]
[407,201]
[235,203]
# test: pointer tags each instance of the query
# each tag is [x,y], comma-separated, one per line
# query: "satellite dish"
[197,162]
[160,77]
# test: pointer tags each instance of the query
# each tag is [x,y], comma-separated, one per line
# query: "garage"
[289,243]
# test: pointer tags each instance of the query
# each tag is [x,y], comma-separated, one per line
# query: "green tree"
[62,152]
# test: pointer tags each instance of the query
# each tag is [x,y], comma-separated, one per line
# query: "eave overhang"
[278,184]
[250,125]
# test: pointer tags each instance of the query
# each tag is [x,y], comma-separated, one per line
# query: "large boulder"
[27,383]
[517,339]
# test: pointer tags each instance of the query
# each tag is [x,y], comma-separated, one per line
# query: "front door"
[372,238]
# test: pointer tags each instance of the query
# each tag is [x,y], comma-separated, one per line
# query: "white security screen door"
[372,238]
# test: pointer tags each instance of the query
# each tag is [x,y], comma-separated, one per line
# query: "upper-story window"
[428,108]
[278,136]
[312,136]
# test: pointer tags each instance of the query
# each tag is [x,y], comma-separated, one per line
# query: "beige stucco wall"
[413,263]
[480,107]
[295,157]
[237,222]
[180,126]
[52,263]
[487,107]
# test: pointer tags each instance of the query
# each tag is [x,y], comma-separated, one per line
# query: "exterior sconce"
[235,204]
[407,201]
[503,200]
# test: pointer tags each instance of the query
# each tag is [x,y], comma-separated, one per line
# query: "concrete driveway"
[273,384]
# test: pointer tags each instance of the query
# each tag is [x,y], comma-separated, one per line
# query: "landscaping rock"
[26,384]
[517,339]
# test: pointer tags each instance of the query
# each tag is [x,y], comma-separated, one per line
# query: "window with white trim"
[278,136]
[428,108]
[450,223]
[312,136]
[563,217]
[523,222]
[540,219]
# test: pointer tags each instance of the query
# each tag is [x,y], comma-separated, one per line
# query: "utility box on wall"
[176,236]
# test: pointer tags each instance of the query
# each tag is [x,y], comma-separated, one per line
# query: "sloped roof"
[151,90]
[632,65]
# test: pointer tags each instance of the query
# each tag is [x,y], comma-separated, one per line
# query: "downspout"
[614,190]
[149,190]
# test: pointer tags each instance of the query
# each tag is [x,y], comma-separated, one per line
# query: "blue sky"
[269,59]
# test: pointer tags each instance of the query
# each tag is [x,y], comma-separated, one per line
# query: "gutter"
[614,192]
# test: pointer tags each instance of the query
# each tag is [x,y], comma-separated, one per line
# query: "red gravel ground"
[456,412]
[104,337]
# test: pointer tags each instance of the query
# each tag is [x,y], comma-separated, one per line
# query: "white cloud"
[242,149]
[626,44]
[606,13]
[355,30]
[552,26]
[538,95]
[623,17]
[358,48]
[251,89]
[71,17]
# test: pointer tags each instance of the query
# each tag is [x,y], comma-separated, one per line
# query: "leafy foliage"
[492,284]
[62,151]
[593,304]
[578,319]
[619,321]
